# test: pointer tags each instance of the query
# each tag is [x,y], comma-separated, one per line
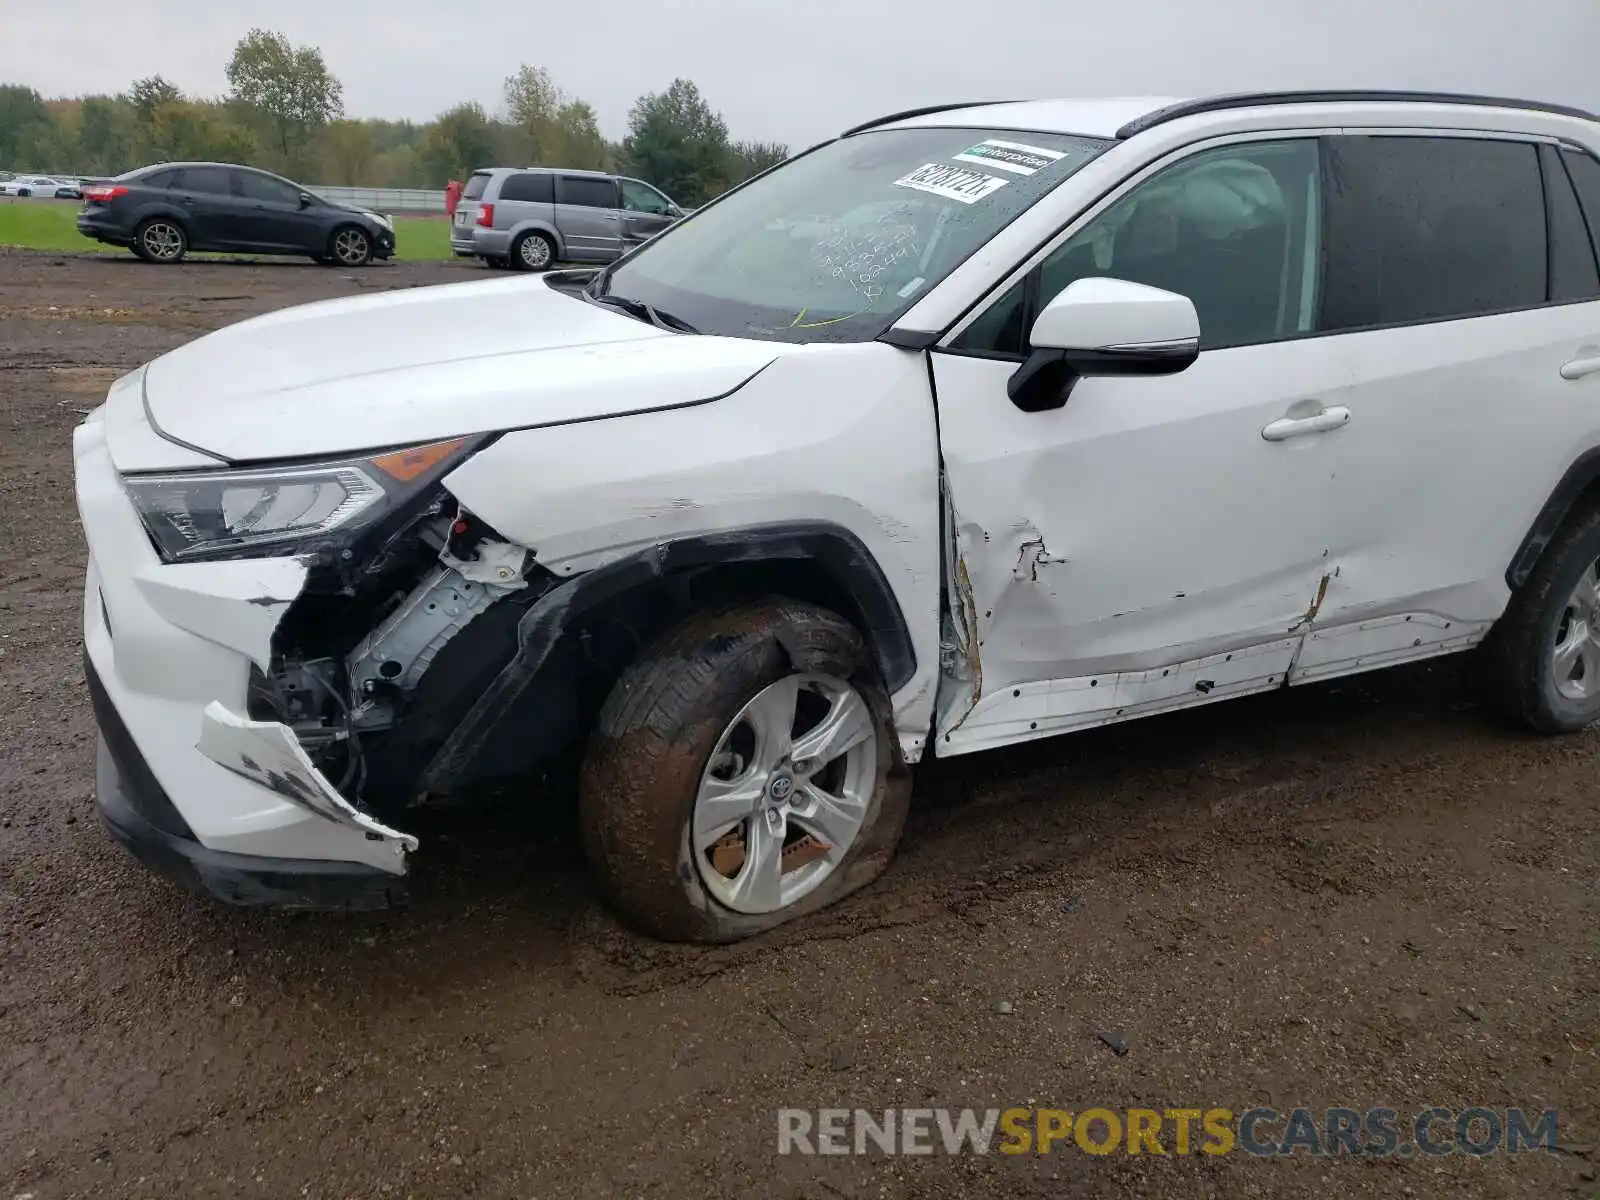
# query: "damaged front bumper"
[224,804]
[141,816]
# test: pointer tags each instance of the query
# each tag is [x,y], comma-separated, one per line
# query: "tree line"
[284,111]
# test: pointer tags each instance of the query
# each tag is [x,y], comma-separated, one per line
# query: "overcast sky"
[799,70]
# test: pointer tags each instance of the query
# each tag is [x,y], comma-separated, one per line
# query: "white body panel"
[428,364]
[606,489]
[1144,525]
[1458,431]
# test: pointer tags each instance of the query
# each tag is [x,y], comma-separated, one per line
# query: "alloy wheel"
[785,793]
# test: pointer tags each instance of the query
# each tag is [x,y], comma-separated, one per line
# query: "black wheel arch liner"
[837,551]
[1579,477]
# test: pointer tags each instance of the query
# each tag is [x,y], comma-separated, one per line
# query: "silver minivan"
[530,217]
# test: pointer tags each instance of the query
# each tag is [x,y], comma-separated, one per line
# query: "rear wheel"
[532,252]
[160,240]
[350,247]
[742,773]
[1542,660]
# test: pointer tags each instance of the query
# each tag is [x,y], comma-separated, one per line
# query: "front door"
[645,211]
[271,215]
[1147,546]
[588,217]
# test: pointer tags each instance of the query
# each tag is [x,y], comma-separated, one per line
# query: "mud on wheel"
[743,772]
[1540,665]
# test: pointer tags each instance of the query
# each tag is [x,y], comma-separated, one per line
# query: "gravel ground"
[1357,895]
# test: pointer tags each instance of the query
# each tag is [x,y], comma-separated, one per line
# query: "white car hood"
[430,363]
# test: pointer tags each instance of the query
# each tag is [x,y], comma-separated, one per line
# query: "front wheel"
[351,247]
[742,773]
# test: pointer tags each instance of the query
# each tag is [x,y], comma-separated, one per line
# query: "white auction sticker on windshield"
[953,183]
[1009,156]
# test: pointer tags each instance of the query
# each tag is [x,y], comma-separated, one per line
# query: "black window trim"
[1560,159]
[1030,264]
[1591,223]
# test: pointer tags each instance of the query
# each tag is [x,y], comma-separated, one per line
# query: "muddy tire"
[692,733]
[1540,665]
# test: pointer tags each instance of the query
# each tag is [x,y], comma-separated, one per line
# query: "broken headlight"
[260,511]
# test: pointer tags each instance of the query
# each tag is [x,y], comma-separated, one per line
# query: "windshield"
[834,245]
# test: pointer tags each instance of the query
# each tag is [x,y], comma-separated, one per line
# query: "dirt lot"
[1359,895]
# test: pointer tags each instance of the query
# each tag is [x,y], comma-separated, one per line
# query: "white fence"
[385,200]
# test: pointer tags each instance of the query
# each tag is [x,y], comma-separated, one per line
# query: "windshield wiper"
[645,312]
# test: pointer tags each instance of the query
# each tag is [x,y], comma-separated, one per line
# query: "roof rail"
[918,112]
[1189,108]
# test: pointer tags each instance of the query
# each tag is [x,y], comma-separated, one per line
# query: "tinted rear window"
[211,181]
[589,193]
[157,179]
[1429,228]
[532,188]
[475,185]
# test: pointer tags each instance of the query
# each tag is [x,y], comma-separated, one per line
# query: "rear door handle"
[1579,367]
[1285,428]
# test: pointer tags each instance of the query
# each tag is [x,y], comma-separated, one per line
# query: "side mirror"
[1104,327]
[305,200]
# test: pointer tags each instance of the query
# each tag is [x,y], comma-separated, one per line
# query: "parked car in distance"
[969,427]
[164,211]
[529,218]
[34,185]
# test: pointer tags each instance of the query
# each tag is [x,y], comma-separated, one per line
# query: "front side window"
[587,193]
[642,198]
[836,244]
[264,189]
[1431,228]
[1236,230]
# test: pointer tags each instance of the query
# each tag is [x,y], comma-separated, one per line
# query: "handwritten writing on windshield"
[861,257]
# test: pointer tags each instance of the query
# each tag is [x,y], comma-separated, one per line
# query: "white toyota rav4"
[971,426]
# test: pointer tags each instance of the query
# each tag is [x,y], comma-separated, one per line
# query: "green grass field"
[50,225]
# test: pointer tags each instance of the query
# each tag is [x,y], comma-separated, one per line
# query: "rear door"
[1461,296]
[467,209]
[214,215]
[525,196]
[271,216]
[588,217]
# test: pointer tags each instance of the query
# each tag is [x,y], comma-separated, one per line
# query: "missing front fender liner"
[837,551]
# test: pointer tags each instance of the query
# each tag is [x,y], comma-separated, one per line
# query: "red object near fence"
[452,196]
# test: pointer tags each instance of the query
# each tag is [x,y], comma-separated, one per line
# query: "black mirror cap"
[1046,379]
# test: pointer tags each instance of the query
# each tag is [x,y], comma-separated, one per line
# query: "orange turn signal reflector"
[405,465]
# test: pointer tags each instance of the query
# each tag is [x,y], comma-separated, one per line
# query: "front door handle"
[1579,367]
[1287,427]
